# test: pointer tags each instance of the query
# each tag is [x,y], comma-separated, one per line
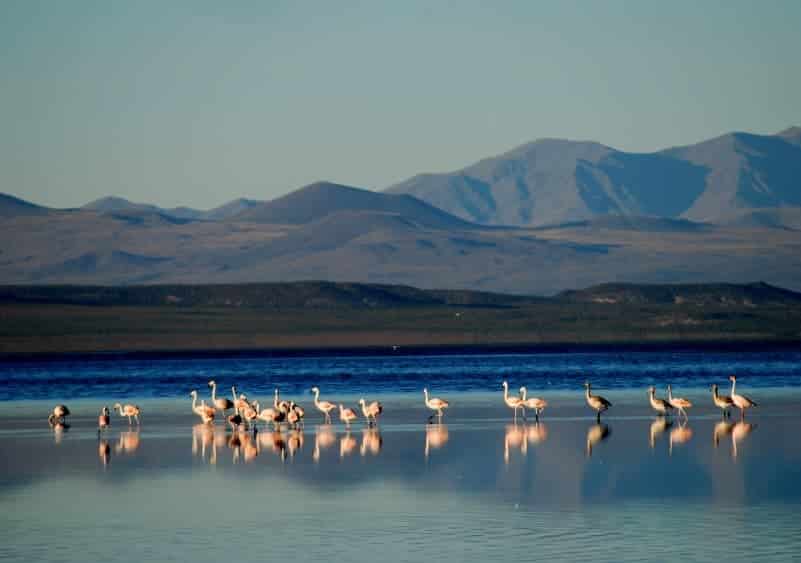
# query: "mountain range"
[548,216]
[552,181]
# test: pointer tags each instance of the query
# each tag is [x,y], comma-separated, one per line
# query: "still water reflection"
[477,488]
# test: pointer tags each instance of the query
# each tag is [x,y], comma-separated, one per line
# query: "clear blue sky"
[199,102]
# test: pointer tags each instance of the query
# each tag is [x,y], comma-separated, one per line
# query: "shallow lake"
[479,486]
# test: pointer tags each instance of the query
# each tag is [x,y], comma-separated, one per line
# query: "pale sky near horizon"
[196,103]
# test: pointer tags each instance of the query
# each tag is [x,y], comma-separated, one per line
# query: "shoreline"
[655,345]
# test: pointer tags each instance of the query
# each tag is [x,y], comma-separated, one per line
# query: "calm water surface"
[477,487]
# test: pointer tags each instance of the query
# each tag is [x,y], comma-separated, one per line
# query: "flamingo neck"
[505,391]
[715,392]
[233,392]
[733,383]
[316,397]
[524,392]
[214,392]
[275,400]
[587,393]
[194,402]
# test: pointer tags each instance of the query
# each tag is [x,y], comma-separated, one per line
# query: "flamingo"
[659,405]
[270,415]
[103,421]
[347,415]
[60,413]
[292,417]
[220,403]
[250,415]
[512,402]
[535,403]
[295,414]
[723,402]
[324,407]
[740,401]
[278,403]
[373,410]
[203,411]
[129,411]
[678,403]
[239,402]
[435,404]
[596,402]
[235,420]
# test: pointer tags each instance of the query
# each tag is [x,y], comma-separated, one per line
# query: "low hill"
[293,295]
[752,294]
[317,201]
[11,206]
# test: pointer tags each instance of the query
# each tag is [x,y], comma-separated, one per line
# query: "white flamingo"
[203,411]
[740,401]
[435,404]
[678,403]
[129,411]
[220,403]
[535,403]
[373,410]
[513,403]
[324,407]
[240,402]
[596,402]
[347,415]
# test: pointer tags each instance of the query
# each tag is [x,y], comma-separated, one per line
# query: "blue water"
[478,487]
[546,371]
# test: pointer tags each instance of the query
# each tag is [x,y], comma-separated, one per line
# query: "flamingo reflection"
[514,438]
[680,435]
[274,441]
[128,442]
[295,442]
[347,445]
[658,427]
[596,434]
[324,438]
[721,430]
[537,433]
[436,437]
[104,452]
[740,431]
[371,441]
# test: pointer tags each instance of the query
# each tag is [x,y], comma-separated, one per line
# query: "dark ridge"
[751,294]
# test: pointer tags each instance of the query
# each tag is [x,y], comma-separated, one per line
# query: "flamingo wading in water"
[678,403]
[514,403]
[723,402]
[659,405]
[740,401]
[373,410]
[435,404]
[220,403]
[535,403]
[129,411]
[324,407]
[596,402]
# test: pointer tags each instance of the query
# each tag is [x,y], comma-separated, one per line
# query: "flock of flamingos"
[247,414]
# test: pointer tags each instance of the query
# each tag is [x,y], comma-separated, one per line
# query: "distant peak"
[791,132]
